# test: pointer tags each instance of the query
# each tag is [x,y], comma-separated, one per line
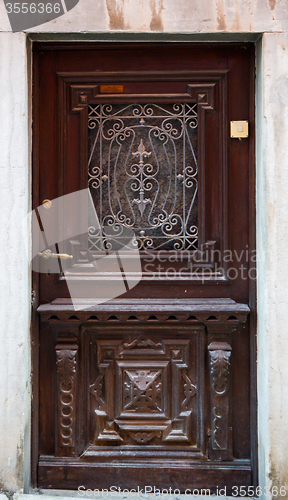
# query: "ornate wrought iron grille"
[143,173]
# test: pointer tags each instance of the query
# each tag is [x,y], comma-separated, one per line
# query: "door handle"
[47,254]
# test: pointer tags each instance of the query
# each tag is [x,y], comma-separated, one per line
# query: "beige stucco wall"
[272,240]
[189,17]
[15,278]
[169,16]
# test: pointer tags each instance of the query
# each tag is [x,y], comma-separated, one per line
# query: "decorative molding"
[97,390]
[144,437]
[142,342]
[227,318]
[216,314]
[189,391]
[219,353]
[66,352]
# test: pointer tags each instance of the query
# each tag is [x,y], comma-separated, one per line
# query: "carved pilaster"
[66,352]
[219,361]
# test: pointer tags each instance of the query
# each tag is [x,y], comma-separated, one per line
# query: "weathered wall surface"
[152,16]
[169,16]
[273,296]
[15,282]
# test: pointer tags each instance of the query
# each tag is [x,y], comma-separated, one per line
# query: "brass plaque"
[239,129]
[111,89]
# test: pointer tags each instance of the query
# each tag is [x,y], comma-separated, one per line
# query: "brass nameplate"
[111,89]
[239,129]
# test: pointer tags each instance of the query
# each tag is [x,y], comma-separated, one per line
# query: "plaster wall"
[15,278]
[152,18]
[168,16]
[272,240]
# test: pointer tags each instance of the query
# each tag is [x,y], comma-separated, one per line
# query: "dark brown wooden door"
[157,386]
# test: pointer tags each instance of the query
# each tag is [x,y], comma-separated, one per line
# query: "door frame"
[35,285]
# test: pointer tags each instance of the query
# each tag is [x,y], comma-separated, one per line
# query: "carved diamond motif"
[142,390]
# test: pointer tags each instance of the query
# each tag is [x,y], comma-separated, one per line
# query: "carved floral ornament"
[220,354]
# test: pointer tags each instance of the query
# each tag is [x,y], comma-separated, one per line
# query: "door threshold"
[68,494]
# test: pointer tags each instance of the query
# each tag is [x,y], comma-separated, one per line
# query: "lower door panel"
[140,396]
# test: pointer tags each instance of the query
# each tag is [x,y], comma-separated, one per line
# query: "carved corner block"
[219,367]
[66,362]
[203,94]
[82,95]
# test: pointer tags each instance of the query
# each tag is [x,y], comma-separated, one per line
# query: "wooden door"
[155,387]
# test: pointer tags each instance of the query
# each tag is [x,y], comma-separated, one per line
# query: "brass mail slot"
[239,129]
[111,89]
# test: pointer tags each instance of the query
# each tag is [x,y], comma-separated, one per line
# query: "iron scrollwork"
[143,173]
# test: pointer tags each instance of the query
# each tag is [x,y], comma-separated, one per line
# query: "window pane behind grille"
[143,173]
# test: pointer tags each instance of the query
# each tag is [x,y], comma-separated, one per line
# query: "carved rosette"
[220,353]
[66,352]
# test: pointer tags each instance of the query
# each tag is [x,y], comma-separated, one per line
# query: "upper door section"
[147,129]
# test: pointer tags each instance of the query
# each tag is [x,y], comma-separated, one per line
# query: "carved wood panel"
[146,389]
